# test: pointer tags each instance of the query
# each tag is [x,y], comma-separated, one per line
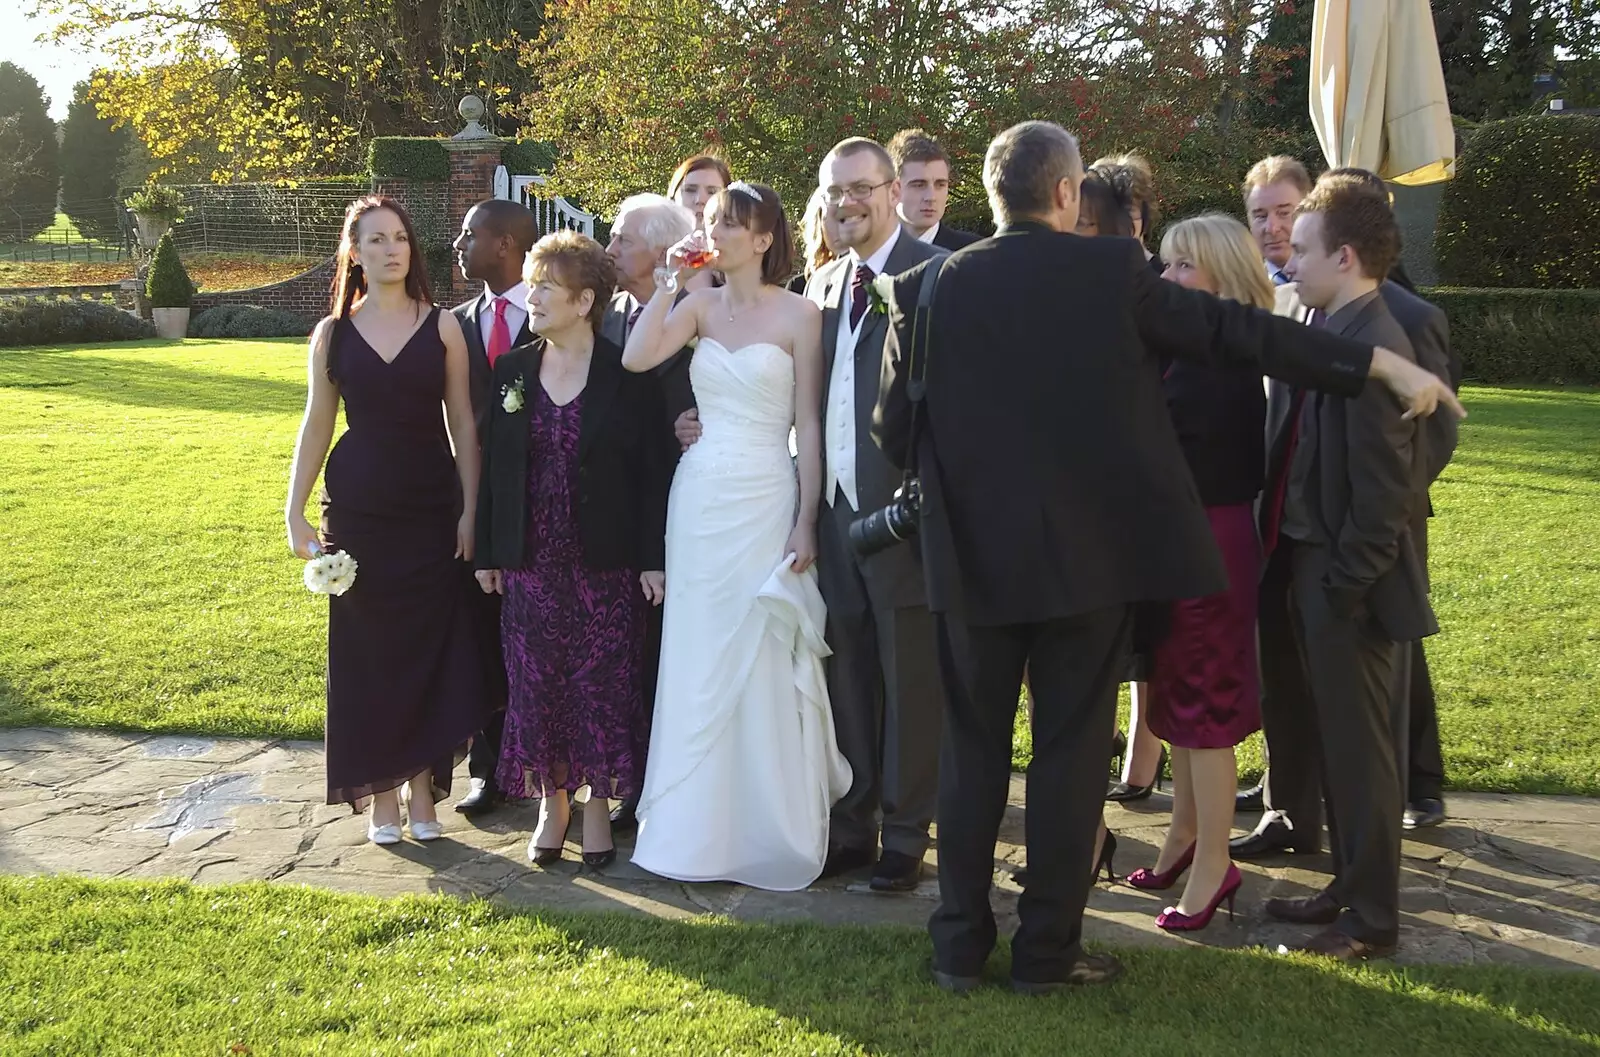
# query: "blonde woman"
[819,235]
[1204,693]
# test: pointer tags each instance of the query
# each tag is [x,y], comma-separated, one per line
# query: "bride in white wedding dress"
[743,766]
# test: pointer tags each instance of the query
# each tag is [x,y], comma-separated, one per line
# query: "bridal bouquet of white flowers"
[330,574]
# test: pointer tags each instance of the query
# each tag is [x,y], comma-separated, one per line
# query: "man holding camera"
[1054,498]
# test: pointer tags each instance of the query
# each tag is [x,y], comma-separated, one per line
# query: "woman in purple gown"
[571,523]
[405,687]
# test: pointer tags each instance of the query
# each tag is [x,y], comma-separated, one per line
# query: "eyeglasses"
[856,192]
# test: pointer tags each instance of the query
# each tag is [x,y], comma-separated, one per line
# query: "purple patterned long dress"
[573,638]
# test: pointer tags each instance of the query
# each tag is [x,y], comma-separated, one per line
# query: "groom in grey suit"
[883,677]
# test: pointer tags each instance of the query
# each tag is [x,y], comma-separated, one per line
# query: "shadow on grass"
[147,383]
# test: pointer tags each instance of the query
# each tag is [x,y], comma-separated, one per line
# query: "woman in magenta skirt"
[1204,694]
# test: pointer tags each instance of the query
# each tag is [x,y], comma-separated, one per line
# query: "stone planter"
[150,227]
[172,324]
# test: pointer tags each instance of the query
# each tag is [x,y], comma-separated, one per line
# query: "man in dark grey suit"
[1347,479]
[647,226]
[495,237]
[883,676]
[923,169]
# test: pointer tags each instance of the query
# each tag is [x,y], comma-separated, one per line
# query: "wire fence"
[261,219]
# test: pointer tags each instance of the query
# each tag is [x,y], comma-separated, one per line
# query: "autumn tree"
[293,88]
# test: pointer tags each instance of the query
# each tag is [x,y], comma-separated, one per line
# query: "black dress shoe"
[1089,969]
[481,799]
[896,872]
[1331,943]
[955,984]
[1124,792]
[1272,835]
[844,859]
[1250,801]
[1420,814]
[1320,909]
[624,818]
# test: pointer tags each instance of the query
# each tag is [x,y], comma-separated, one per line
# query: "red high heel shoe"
[1150,881]
[1173,921]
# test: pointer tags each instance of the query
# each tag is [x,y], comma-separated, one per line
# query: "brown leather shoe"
[1087,970]
[1343,947]
[1320,909]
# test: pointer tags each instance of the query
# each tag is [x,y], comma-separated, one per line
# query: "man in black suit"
[1293,789]
[923,169]
[647,226]
[1055,497]
[882,678]
[495,237]
[1347,479]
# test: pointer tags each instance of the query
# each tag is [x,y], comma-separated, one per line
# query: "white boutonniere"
[879,294]
[330,574]
[511,396]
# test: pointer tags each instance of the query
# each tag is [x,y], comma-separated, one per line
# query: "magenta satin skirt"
[1204,683]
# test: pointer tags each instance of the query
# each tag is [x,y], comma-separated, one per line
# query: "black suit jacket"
[625,460]
[1428,330]
[950,239]
[1220,415]
[895,571]
[1052,478]
[671,374]
[483,392]
[1368,485]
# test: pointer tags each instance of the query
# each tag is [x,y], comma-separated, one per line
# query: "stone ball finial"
[471,109]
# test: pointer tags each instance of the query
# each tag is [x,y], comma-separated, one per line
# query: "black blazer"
[483,392]
[1220,414]
[625,460]
[1428,330]
[1368,485]
[951,239]
[1052,478]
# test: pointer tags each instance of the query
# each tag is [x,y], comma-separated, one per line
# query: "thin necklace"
[727,299]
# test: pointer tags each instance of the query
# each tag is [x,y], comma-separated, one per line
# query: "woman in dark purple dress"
[572,522]
[1204,697]
[405,688]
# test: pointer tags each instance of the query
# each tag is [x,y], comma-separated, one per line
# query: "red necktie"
[499,333]
[858,294]
[1278,485]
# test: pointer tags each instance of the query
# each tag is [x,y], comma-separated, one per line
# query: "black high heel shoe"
[1123,792]
[1108,851]
[599,860]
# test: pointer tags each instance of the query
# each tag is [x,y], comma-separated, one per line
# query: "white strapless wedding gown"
[743,765]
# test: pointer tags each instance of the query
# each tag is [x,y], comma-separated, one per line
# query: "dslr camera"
[894,523]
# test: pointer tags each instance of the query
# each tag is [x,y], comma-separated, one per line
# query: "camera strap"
[917,358]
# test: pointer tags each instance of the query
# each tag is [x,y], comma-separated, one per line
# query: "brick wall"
[306,294]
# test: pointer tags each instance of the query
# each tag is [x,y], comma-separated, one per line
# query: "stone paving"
[1512,879]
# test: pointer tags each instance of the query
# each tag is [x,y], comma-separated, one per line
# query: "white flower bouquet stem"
[329,574]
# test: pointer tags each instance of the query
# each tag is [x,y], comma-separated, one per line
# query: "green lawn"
[96,967]
[147,584]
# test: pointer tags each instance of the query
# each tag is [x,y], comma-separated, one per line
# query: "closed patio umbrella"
[1377,90]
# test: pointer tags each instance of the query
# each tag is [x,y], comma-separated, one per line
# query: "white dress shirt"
[929,235]
[516,300]
[839,421]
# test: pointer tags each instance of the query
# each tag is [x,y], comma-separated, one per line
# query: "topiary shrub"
[1523,208]
[247,321]
[168,285]
[528,157]
[407,158]
[1524,335]
[45,321]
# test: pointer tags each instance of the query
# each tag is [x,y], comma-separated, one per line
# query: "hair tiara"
[740,187]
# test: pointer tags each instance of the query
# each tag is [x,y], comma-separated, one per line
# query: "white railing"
[551,213]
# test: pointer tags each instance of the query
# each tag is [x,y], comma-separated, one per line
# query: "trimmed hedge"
[1524,207]
[247,321]
[408,158]
[1548,336]
[45,321]
[528,157]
